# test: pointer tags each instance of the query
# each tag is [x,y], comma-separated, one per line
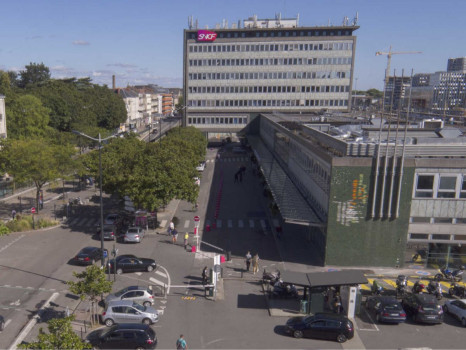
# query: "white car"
[457,308]
[201,166]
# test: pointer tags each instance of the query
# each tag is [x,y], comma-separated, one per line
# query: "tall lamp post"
[99,140]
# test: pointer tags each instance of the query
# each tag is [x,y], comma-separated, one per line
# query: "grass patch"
[24,223]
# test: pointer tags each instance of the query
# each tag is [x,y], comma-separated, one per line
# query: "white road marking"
[82,221]
[219,223]
[240,223]
[72,222]
[251,223]
[90,223]
[160,273]
[12,242]
[186,224]
[230,223]
[7,322]
[263,224]
[138,273]
[163,223]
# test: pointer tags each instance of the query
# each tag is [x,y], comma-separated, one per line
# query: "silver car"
[127,311]
[457,308]
[138,294]
[134,234]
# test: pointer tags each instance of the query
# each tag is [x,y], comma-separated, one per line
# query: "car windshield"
[394,307]
[108,330]
[87,250]
[139,307]
[431,307]
[117,294]
[133,230]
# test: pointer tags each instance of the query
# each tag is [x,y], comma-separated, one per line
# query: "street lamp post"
[99,140]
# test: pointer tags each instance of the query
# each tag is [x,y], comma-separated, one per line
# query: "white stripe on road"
[251,223]
[219,223]
[186,224]
[82,221]
[163,223]
[7,322]
[152,279]
[263,224]
[160,273]
[240,223]
[19,339]
[91,222]
[230,223]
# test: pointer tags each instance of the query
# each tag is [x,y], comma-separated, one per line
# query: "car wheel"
[150,268]
[445,308]
[119,271]
[147,303]
[341,338]
[109,322]
[146,321]
[298,334]
[463,322]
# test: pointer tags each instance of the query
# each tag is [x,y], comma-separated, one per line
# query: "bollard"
[207,228]
[193,249]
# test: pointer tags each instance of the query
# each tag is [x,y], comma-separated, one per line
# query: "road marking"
[82,221]
[7,322]
[251,223]
[163,223]
[12,242]
[219,223]
[152,279]
[138,273]
[19,339]
[72,222]
[186,224]
[230,223]
[240,223]
[390,282]
[160,273]
[90,223]
[263,224]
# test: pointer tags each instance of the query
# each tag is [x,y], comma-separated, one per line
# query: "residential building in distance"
[3,133]
[396,93]
[364,191]
[457,65]
[232,74]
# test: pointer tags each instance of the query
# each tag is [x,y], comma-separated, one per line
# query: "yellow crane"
[387,71]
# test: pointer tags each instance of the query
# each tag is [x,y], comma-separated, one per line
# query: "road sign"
[197,218]
[33,210]
[217,268]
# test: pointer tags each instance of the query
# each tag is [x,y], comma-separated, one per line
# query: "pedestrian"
[204,276]
[255,263]
[181,343]
[174,235]
[186,237]
[171,227]
[13,214]
[248,260]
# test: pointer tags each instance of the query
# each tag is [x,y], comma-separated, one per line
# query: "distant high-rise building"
[231,74]
[457,65]
[395,92]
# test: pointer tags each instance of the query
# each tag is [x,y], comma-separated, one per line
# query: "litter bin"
[303,307]
[105,253]
[228,255]
[209,291]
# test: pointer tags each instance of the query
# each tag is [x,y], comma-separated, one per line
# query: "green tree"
[91,284]
[5,83]
[60,336]
[33,160]
[34,73]
[27,117]
[374,93]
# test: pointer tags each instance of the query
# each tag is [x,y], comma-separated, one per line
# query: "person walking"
[171,227]
[174,236]
[204,276]
[186,238]
[13,214]
[181,343]
[255,263]
[248,260]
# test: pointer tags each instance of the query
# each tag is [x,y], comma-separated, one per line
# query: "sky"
[141,41]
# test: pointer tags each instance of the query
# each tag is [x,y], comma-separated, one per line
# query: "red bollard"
[193,249]
[222,259]
[195,231]
[207,228]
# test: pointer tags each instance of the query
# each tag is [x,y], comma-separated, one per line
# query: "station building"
[233,74]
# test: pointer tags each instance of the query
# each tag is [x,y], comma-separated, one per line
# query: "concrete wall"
[353,238]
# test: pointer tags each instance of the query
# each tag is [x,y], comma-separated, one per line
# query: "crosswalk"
[390,284]
[188,225]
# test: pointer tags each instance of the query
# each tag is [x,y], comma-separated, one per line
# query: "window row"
[266,103]
[267,89]
[436,237]
[324,46]
[427,220]
[270,75]
[440,186]
[217,120]
[292,61]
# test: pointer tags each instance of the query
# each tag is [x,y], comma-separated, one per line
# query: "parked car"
[127,311]
[138,294]
[457,308]
[321,326]
[239,150]
[201,166]
[134,235]
[131,263]
[123,336]
[110,232]
[386,309]
[423,308]
[2,323]
[89,255]
[111,219]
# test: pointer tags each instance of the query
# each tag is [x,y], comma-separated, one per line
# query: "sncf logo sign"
[206,35]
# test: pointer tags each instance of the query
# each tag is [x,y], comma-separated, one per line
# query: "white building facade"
[3,133]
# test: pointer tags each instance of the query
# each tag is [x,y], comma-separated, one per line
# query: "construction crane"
[387,72]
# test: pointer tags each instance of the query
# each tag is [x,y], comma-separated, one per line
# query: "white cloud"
[81,42]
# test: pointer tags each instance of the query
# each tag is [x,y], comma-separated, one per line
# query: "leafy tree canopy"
[374,93]
[92,283]
[34,73]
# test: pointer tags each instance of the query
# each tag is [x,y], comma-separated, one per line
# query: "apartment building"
[3,133]
[232,74]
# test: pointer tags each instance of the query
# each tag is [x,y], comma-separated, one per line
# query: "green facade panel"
[353,237]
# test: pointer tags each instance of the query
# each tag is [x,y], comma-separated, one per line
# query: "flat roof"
[324,279]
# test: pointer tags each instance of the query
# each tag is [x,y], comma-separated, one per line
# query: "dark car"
[89,255]
[386,309]
[2,323]
[321,326]
[423,308]
[131,263]
[123,336]
[110,232]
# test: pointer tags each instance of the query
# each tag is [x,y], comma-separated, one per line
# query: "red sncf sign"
[206,35]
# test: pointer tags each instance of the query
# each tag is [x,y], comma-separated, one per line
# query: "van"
[127,311]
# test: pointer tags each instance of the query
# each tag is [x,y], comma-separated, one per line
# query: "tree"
[60,336]
[375,93]
[34,73]
[27,117]
[92,284]
[5,83]
[33,160]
